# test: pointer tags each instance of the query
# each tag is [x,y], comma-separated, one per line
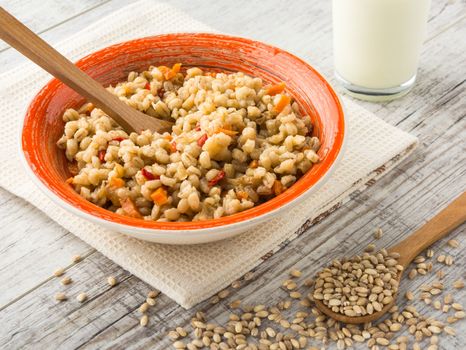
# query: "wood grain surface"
[442,224]
[32,246]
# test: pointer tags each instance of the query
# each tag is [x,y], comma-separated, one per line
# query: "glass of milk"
[377,44]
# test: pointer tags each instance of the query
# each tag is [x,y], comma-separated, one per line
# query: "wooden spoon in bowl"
[29,44]
[436,228]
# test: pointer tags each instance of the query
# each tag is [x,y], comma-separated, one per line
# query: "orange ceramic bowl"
[43,125]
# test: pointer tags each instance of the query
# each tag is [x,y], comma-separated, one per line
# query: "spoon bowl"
[439,226]
[355,319]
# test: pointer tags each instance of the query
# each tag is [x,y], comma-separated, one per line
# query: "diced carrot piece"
[176,68]
[171,72]
[277,187]
[159,196]
[212,74]
[168,137]
[282,103]
[163,69]
[272,90]
[226,131]
[130,208]
[202,140]
[116,182]
[254,164]
[173,147]
[242,195]
[166,71]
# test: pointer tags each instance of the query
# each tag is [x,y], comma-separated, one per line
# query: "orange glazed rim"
[47,177]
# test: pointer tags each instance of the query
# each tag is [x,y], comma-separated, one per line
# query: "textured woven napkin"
[188,274]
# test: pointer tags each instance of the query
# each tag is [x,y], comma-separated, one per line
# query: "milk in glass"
[377,44]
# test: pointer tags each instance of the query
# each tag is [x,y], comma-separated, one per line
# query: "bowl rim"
[245,218]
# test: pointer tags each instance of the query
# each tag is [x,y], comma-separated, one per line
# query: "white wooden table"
[32,246]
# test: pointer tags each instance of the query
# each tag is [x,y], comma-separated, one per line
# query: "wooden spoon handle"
[436,228]
[32,46]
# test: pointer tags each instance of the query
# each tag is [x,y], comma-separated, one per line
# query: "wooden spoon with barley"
[436,228]
[30,45]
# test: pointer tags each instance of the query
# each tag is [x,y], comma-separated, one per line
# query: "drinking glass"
[377,44]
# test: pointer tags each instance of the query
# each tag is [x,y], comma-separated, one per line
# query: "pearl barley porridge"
[236,142]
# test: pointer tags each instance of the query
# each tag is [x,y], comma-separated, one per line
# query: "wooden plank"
[47,324]
[32,246]
[399,203]
[414,197]
[71,22]
[50,13]
[109,311]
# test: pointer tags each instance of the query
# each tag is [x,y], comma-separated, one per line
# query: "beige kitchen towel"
[188,274]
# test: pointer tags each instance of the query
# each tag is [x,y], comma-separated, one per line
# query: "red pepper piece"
[147,86]
[101,155]
[119,139]
[217,178]
[197,128]
[202,140]
[148,175]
